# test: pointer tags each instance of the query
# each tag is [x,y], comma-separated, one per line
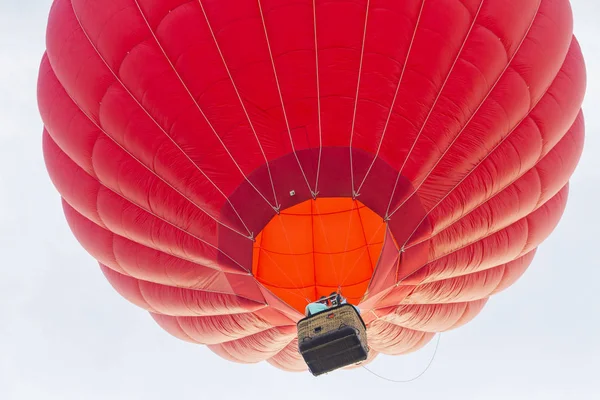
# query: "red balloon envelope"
[227,161]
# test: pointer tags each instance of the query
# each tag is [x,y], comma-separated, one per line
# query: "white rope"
[508,65]
[387,121]
[360,66]
[435,102]
[414,378]
[235,88]
[318,101]
[287,123]
[160,127]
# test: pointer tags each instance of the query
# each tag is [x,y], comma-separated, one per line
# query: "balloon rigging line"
[439,95]
[97,124]
[394,98]
[314,6]
[276,206]
[435,102]
[411,379]
[500,76]
[360,67]
[287,122]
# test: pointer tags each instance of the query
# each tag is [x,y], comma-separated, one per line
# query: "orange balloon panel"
[317,246]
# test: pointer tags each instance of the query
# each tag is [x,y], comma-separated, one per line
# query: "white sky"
[66,334]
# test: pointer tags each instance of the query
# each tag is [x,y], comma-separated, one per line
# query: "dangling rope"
[416,377]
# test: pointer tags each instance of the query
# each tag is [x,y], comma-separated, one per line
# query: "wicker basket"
[332,339]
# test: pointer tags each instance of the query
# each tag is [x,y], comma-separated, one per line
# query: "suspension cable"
[416,377]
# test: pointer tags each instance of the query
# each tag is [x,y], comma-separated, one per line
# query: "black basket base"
[332,339]
[333,350]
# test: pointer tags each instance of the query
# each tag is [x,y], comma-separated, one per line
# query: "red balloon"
[228,161]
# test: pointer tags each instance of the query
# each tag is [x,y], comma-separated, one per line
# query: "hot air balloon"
[227,162]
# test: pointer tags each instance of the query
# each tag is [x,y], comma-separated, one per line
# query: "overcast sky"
[66,334]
